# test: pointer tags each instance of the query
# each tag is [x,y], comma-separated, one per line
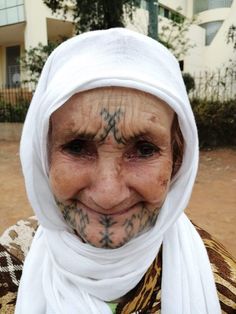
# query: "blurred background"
[202,36]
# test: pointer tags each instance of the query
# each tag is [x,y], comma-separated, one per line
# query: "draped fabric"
[74,277]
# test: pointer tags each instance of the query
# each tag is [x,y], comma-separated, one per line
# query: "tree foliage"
[103,14]
[174,34]
[216,122]
[189,82]
[34,58]
[94,15]
[231,36]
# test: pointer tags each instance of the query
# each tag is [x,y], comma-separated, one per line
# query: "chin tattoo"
[111,233]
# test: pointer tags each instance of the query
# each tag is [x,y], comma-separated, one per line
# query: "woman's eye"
[75,147]
[145,149]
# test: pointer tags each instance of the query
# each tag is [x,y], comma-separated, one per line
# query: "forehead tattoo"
[98,118]
[112,119]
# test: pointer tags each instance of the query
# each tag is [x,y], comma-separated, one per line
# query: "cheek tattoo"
[141,221]
[106,230]
[68,213]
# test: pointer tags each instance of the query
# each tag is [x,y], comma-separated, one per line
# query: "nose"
[109,190]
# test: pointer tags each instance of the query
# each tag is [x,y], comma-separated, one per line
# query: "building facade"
[208,33]
[26,23]
[214,18]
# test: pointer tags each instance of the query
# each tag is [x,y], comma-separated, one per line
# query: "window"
[163,11]
[181,65]
[170,14]
[176,17]
[11,11]
[203,5]
[211,30]
[13,68]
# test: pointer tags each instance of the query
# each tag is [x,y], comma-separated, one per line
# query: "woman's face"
[110,163]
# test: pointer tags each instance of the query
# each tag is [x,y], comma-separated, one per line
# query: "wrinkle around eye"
[80,148]
[143,150]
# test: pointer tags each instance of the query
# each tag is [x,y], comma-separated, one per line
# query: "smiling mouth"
[107,213]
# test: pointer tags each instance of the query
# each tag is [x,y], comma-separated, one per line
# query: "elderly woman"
[110,153]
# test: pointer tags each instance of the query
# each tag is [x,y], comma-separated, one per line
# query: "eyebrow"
[91,136]
[86,136]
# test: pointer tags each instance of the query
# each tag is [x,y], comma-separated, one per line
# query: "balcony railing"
[14,101]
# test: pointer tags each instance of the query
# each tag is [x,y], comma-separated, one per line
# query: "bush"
[13,113]
[189,82]
[34,59]
[216,122]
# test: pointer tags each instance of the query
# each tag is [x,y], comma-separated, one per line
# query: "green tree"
[87,15]
[231,39]
[189,82]
[93,15]
[34,59]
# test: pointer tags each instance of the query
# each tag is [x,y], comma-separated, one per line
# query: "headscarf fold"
[61,274]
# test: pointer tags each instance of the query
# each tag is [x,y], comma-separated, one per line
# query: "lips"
[112,213]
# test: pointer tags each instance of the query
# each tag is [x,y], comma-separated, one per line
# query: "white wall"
[174,4]
[36,26]
[218,53]
[140,21]
[186,5]
[36,22]
[213,15]
[193,61]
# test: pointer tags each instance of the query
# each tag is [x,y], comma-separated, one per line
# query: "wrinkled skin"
[110,159]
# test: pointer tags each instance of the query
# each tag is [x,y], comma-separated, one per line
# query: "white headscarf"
[64,276]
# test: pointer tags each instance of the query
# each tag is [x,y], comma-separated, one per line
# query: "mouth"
[106,213]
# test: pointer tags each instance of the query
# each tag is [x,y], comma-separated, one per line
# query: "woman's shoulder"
[224,269]
[14,246]
[147,294]
[17,238]
[10,274]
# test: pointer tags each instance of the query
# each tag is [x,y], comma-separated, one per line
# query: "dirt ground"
[212,206]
